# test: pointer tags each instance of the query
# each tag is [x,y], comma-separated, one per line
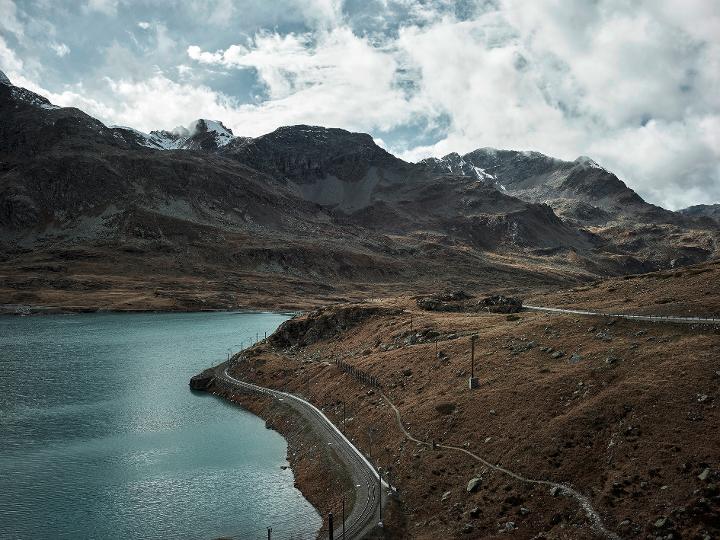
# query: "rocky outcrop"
[500,304]
[323,323]
[202,381]
[449,301]
[461,302]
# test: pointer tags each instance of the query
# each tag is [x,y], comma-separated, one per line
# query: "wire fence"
[358,374]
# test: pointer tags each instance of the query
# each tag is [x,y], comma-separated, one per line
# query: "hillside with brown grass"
[624,412]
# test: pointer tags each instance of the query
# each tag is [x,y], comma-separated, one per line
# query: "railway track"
[365,513]
[651,318]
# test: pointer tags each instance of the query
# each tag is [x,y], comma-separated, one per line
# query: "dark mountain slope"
[300,211]
[702,211]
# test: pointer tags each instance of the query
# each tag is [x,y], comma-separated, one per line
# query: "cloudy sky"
[634,84]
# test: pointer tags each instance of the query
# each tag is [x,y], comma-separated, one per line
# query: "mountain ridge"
[323,205]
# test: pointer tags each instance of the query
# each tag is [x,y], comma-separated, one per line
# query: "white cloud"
[9,62]
[638,89]
[144,25]
[9,20]
[334,78]
[108,7]
[60,49]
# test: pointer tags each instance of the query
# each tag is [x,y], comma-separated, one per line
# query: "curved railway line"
[364,515]
[651,318]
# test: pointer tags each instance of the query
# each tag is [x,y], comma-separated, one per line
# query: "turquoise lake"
[102,438]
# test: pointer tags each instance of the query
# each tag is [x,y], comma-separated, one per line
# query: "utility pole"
[472,356]
[473,382]
[330,526]
[269,532]
[343,422]
[380,490]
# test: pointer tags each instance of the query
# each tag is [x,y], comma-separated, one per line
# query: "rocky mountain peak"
[201,134]
[454,163]
[307,153]
[4,79]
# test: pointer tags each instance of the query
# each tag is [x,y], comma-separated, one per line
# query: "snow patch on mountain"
[585,161]
[200,134]
[21,94]
[222,134]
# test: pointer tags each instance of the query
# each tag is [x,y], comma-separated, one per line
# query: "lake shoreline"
[20,310]
[309,461]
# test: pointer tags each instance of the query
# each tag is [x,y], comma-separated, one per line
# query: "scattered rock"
[445,496]
[702,398]
[575,358]
[558,354]
[467,528]
[474,484]
[510,526]
[524,511]
[612,360]
[604,336]
[661,523]
[474,513]
[555,491]
[704,475]
[407,372]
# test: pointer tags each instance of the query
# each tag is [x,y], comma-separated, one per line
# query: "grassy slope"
[633,433]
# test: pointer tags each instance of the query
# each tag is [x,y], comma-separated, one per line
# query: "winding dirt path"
[593,516]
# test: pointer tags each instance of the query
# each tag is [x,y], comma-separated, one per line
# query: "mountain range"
[108,216]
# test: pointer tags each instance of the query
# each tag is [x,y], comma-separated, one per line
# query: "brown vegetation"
[625,412]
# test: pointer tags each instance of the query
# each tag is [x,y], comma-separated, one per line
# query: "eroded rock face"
[323,323]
